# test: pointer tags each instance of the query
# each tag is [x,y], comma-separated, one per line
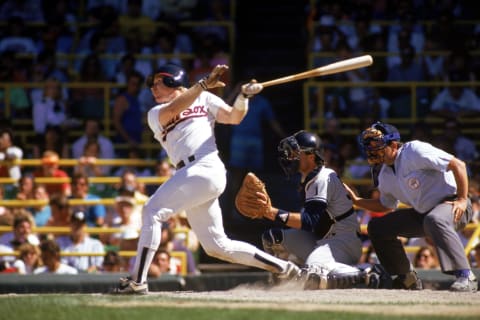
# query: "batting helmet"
[173,76]
[289,150]
[374,139]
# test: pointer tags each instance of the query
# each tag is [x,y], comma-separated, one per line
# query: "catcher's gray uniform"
[332,243]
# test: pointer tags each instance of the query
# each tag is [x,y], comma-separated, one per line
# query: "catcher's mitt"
[247,200]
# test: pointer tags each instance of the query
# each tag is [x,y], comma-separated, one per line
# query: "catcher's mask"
[373,141]
[173,76]
[289,150]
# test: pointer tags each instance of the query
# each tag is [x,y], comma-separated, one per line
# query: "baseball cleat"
[409,281]
[463,284]
[376,277]
[290,272]
[128,286]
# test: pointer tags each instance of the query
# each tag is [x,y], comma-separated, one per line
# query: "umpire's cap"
[378,136]
[173,76]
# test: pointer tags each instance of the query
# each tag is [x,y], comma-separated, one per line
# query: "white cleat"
[128,286]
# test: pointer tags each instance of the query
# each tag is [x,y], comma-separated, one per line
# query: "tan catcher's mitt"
[248,201]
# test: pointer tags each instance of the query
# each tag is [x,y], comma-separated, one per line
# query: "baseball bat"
[332,68]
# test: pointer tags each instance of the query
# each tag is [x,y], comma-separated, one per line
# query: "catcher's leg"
[289,244]
[340,277]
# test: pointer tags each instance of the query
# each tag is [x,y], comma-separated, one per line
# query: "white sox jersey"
[185,135]
[419,177]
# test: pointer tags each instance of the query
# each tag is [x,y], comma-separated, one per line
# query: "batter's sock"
[142,264]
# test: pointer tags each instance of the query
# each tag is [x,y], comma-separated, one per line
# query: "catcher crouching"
[324,236]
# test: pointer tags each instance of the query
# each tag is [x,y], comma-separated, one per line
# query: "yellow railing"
[316,109]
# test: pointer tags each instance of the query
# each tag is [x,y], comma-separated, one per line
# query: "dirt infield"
[391,302]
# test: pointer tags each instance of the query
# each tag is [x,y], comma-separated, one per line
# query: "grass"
[99,307]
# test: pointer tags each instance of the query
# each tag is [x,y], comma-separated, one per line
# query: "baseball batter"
[323,236]
[435,184]
[183,123]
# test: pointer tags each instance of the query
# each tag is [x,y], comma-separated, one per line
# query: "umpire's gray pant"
[437,224]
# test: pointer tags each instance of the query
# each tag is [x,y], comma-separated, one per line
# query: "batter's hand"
[213,79]
[252,88]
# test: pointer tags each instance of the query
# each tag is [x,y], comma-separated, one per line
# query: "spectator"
[60,210]
[134,19]
[425,258]
[129,184]
[27,10]
[89,102]
[128,237]
[50,169]
[455,101]
[87,163]
[140,171]
[476,256]
[55,139]
[51,260]
[94,214]
[18,96]
[16,38]
[458,144]
[163,169]
[127,113]
[41,213]
[112,262]
[25,188]
[8,151]
[6,216]
[79,241]
[50,109]
[408,70]
[28,258]
[163,263]
[92,131]
[22,231]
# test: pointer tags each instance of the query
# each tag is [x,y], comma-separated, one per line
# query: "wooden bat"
[332,68]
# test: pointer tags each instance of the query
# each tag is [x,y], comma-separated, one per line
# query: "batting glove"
[213,79]
[252,88]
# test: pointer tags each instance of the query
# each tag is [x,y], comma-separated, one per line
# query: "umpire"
[434,184]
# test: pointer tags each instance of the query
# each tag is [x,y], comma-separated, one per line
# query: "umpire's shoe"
[409,281]
[128,286]
[463,284]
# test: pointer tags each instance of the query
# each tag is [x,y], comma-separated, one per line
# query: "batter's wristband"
[202,83]
[282,216]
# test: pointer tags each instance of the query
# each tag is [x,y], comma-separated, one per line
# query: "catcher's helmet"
[173,76]
[289,150]
[375,138]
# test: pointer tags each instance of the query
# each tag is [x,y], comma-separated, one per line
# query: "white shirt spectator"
[62,269]
[48,112]
[87,245]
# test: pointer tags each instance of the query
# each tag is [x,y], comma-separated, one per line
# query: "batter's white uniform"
[195,187]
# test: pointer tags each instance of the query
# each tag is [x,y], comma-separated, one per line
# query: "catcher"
[323,236]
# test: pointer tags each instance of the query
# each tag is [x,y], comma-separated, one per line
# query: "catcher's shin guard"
[346,280]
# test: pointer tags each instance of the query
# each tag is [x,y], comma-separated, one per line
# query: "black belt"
[344,215]
[182,163]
